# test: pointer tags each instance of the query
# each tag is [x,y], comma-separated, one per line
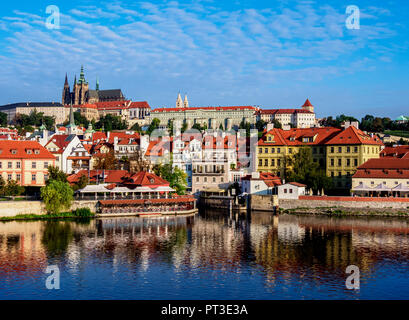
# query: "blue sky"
[273,54]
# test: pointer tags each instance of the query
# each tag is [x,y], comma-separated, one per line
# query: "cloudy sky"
[272,53]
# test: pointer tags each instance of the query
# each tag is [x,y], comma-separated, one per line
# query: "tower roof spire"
[66,80]
[97,84]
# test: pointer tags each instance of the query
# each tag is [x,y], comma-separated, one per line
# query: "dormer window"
[29,151]
[36,151]
[152,180]
[13,151]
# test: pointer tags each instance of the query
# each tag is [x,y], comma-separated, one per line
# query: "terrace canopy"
[111,191]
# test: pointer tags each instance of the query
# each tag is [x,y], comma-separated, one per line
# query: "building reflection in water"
[281,248]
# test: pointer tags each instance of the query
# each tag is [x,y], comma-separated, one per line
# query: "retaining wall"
[345,202]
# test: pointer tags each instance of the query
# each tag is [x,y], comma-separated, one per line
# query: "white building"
[291,190]
[260,183]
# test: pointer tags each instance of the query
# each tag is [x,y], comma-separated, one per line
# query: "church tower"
[308,106]
[81,89]
[66,93]
[179,102]
[185,102]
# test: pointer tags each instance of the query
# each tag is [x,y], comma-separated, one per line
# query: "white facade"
[290,191]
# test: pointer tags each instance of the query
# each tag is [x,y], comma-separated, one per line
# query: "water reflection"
[293,254]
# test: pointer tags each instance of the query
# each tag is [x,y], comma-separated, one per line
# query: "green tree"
[245,125]
[56,174]
[111,122]
[82,183]
[176,177]
[184,127]
[153,126]
[136,127]
[2,186]
[3,119]
[57,195]
[302,168]
[13,189]
[260,124]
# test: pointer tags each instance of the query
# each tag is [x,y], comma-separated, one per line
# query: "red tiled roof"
[112,176]
[88,106]
[297,184]
[294,137]
[269,179]
[204,108]
[307,103]
[385,167]
[123,137]
[21,148]
[352,135]
[325,135]
[60,140]
[146,179]
[139,104]
[397,152]
[157,148]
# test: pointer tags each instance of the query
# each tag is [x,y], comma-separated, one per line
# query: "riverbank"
[344,212]
[63,215]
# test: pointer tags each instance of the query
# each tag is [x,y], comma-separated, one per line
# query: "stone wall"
[263,202]
[345,202]
[13,208]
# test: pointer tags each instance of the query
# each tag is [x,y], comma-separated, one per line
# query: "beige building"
[385,176]
[296,118]
[52,109]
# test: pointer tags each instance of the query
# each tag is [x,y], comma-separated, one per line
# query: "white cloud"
[163,46]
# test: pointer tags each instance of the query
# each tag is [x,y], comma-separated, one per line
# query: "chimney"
[255,175]
[270,126]
[355,124]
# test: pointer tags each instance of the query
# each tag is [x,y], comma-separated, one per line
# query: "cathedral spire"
[72,121]
[185,102]
[179,102]
[82,76]
[97,85]
[66,80]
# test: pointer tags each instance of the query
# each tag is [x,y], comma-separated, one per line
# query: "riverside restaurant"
[143,193]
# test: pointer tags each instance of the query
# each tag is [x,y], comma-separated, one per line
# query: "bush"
[82,212]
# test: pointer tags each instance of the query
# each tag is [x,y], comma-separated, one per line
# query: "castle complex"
[81,93]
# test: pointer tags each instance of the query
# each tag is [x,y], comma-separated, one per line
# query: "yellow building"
[337,151]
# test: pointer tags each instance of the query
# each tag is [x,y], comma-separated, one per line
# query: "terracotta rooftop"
[16,149]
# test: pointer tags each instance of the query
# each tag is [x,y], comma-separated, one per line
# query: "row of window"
[18,165]
[212,180]
[348,162]
[18,177]
[273,150]
[272,162]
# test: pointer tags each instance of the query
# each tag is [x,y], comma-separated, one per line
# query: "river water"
[207,256]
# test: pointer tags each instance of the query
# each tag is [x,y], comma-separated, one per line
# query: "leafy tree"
[2,185]
[277,124]
[260,124]
[56,174]
[302,168]
[176,177]
[221,127]
[245,125]
[3,119]
[34,119]
[82,183]
[199,127]
[111,122]
[136,127]
[57,195]
[184,127]
[13,189]
[153,126]
[137,162]
[106,161]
